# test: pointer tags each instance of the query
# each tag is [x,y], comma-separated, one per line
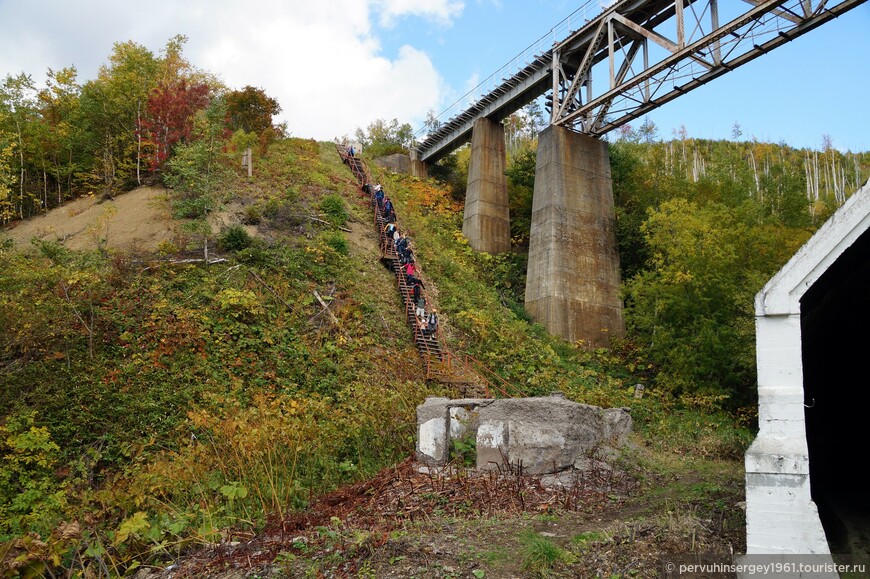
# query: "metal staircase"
[467,376]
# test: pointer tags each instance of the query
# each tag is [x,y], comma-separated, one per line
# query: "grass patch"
[540,555]
[334,207]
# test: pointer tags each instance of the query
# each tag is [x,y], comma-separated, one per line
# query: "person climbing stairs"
[441,365]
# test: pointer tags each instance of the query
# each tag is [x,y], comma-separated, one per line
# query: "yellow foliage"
[132,526]
[240,302]
[427,195]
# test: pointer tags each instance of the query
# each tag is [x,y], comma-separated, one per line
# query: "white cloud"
[471,89]
[321,60]
[441,10]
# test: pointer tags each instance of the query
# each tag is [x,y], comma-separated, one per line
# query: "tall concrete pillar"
[418,167]
[487,221]
[572,284]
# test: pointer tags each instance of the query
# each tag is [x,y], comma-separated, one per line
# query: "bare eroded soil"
[139,219]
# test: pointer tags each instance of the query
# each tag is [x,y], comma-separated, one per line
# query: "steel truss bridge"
[640,54]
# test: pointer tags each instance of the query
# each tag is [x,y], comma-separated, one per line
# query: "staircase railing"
[494,381]
[441,364]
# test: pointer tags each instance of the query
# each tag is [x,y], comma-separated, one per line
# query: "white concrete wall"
[780,514]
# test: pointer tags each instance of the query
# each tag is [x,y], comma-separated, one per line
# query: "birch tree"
[59,105]
[17,95]
[114,105]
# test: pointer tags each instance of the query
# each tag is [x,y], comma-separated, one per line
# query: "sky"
[337,65]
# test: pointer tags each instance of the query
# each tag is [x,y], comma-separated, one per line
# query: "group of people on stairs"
[395,242]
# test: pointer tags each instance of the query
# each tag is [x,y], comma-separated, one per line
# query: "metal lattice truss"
[652,52]
[638,55]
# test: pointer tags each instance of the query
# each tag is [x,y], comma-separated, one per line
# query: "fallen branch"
[318,220]
[230,270]
[265,285]
[331,315]
[326,308]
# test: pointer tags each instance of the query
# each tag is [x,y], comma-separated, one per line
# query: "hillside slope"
[151,404]
[139,219]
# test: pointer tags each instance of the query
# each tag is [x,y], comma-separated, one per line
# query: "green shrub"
[255,255]
[464,449]
[540,554]
[235,238]
[338,243]
[271,208]
[253,215]
[333,207]
[30,498]
[192,207]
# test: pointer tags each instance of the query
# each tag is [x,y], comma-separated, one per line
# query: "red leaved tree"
[169,117]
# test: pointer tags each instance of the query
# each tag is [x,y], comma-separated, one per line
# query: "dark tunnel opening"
[835,321]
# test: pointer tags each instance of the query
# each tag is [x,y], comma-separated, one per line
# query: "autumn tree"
[197,166]
[169,117]
[114,108]
[385,137]
[648,131]
[691,307]
[432,123]
[521,185]
[173,66]
[251,110]
[537,120]
[59,105]
[17,100]
[7,177]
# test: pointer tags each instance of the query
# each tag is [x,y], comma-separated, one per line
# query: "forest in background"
[117,131]
[149,406]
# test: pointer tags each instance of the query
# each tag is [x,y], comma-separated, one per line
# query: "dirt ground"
[410,521]
[138,219]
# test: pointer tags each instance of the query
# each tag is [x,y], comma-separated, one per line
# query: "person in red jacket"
[410,272]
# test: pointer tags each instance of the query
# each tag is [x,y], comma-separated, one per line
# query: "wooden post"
[248,161]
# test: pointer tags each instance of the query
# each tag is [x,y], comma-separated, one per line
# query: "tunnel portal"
[835,321]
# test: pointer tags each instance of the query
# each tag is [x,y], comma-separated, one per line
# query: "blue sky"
[815,85]
[335,65]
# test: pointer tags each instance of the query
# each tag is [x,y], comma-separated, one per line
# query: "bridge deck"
[641,54]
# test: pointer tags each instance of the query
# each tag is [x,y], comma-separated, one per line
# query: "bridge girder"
[596,83]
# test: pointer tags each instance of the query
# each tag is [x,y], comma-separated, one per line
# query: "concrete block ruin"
[397,163]
[541,435]
[804,491]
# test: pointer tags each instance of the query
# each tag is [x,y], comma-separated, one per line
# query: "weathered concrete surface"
[397,163]
[781,515]
[548,434]
[419,168]
[440,420]
[573,279]
[486,223]
[433,443]
[540,435]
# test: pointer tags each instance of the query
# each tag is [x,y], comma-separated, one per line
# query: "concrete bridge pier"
[573,279]
[486,224]
[418,167]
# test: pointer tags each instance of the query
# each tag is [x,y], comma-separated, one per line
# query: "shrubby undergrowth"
[150,405]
